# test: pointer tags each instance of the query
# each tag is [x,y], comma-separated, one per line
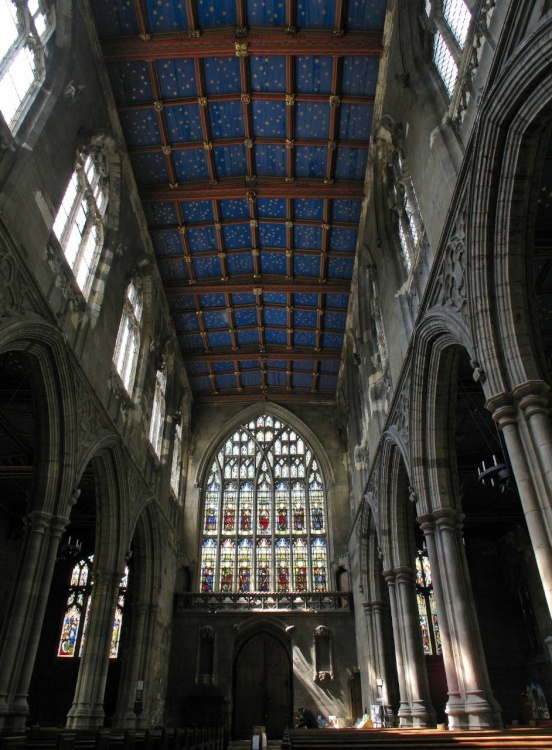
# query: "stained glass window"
[25,27]
[75,620]
[427,610]
[264,515]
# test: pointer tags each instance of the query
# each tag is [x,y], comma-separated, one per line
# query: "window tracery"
[264,520]
[25,28]
[79,223]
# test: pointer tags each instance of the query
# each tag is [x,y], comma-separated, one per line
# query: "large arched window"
[25,27]
[79,223]
[264,519]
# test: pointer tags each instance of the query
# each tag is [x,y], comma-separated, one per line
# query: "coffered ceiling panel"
[248,124]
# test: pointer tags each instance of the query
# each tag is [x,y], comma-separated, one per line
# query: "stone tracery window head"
[127,345]
[81,218]
[26,27]
[264,524]
[323,654]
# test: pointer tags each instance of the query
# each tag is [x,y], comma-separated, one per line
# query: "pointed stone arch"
[516,111]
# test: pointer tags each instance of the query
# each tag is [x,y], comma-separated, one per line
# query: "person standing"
[307,719]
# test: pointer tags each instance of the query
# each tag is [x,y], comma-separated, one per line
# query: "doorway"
[262,687]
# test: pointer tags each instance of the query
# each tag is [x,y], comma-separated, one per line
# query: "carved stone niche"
[323,662]
[205,656]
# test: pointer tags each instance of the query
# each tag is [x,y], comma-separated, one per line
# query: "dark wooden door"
[262,688]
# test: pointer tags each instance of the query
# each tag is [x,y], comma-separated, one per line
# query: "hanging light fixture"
[497,475]
[69,549]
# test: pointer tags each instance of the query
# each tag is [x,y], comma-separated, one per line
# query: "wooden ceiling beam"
[271,394]
[235,286]
[220,43]
[185,101]
[270,353]
[265,188]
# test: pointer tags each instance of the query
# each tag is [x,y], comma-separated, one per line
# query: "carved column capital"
[37,521]
[534,397]
[448,518]
[427,523]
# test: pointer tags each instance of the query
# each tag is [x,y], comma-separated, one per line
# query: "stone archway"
[262,687]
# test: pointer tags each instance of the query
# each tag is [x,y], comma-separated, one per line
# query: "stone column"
[377,619]
[537,517]
[421,708]
[373,666]
[404,703]
[147,658]
[415,708]
[87,711]
[455,705]
[133,669]
[22,627]
[50,550]
[481,709]
[534,403]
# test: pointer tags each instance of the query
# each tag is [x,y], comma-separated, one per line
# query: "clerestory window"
[264,518]
[25,27]
[157,423]
[127,346]
[451,22]
[75,620]
[79,223]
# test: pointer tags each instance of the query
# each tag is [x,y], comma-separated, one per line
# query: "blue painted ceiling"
[247,123]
